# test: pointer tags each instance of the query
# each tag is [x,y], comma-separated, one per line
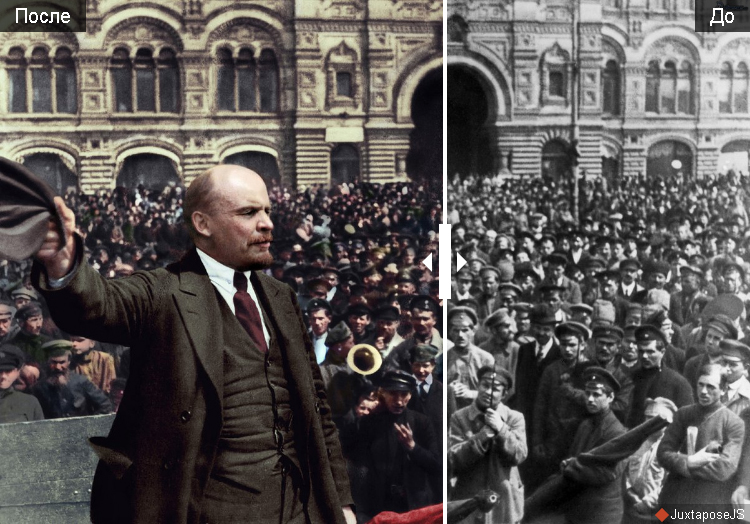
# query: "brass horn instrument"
[364,359]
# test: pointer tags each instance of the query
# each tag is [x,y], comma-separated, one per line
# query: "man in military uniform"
[464,359]
[601,498]
[424,317]
[735,359]
[8,329]
[30,338]
[15,406]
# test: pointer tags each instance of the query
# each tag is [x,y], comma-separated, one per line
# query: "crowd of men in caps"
[354,256]
[568,335]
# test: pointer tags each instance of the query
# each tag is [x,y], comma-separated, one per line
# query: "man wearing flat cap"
[607,341]
[397,449]
[489,298]
[701,448]
[652,378]
[735,360]
[386,337]
[487,443]
[680,302]
[425,312]
[570,292]
[560,403]
[8,328]
[609,284]
[533,359]
[601,498]
[716,328]
[464,359]
[23,296]
[15,406]
[30,338]
[358,317]
[501,328]
[63,393]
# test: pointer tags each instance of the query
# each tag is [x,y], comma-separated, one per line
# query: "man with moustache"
[64,394]
[424,312]
[225,417]
[386,337]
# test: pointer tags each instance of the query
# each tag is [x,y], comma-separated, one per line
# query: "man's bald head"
[206,189]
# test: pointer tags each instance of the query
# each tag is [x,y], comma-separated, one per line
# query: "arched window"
[247,71]
[16,69]
[145,80]
[66,97]
[169,82]
[156,83]
[652,87]
[268,82]
[554,66]
[41,81]
[725,88]
[611,88]
[739,88]
[344,164]
[225,81]
[247,83]
[669,90]
[122,80]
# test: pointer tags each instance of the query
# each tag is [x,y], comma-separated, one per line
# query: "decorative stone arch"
[143,31]
[650,142]
[734,48]
[408,80]
[675,36]
[559,134]
[616,35]
[494,79]
[29,41]
[249,144]
[244,27]
[263,159]
[612,47]
[612,154]
[68,156]
[734,137]
[164,150]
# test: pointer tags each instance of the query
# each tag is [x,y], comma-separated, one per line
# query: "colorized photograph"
[219,262]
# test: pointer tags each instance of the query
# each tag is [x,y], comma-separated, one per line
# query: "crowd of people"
[353,255]
[566,333]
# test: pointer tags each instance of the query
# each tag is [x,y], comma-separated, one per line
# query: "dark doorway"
[262,163]
[50,168]
[556,165]
[669,158]
[344,164]
[470,148]
[424,161]
[153,171]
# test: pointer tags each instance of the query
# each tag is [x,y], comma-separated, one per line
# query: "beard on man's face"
[58,377]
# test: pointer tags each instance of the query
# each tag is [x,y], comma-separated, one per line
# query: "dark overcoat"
[159,453]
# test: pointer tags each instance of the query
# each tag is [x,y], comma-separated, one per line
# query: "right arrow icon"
[460,262]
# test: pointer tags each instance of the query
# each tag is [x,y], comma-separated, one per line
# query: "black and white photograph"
[597,189]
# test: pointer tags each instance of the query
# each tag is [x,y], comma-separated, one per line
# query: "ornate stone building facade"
[655,96]
[306,91]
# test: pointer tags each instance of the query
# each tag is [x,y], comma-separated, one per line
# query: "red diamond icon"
[662,515]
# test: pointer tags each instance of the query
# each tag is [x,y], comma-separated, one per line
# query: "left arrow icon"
[460,262]
[428,261]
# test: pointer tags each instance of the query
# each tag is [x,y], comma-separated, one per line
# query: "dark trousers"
[279,503]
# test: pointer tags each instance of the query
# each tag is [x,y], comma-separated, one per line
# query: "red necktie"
[247,312]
